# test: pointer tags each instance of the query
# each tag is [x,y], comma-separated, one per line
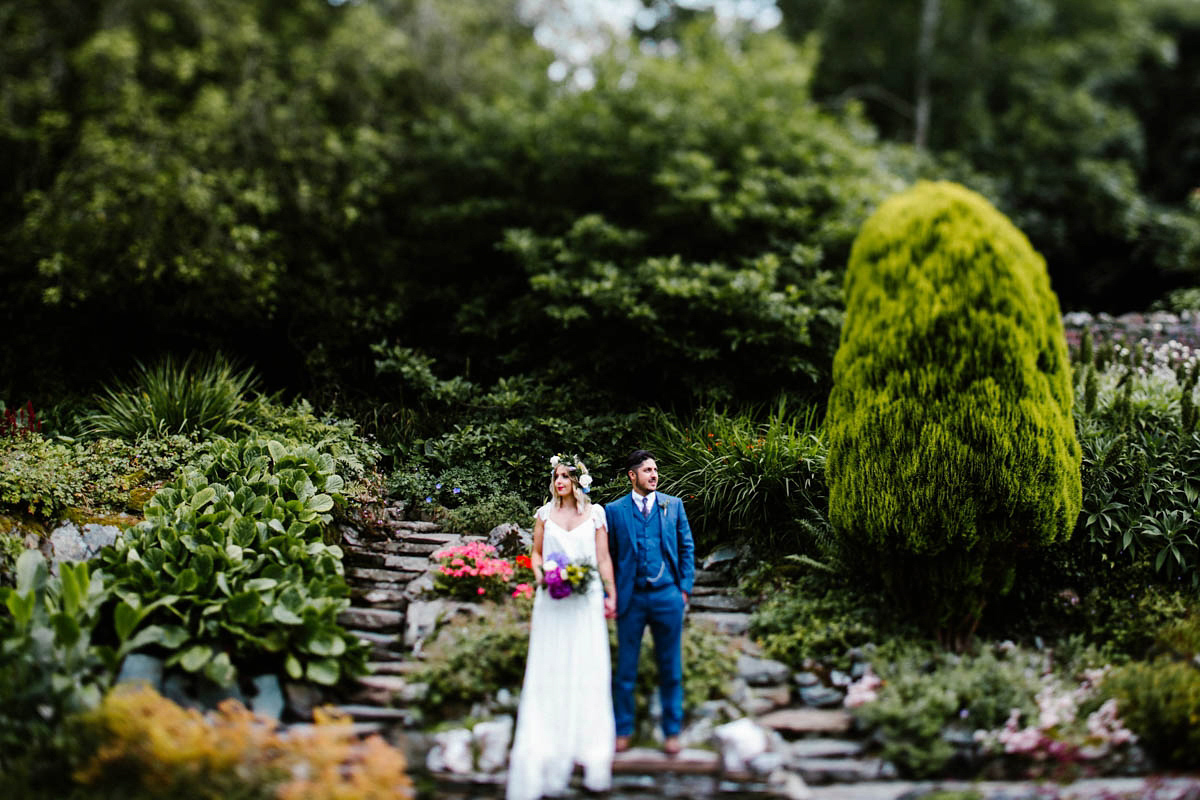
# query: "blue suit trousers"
[662,609]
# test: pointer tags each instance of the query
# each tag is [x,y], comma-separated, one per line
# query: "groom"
[651,547]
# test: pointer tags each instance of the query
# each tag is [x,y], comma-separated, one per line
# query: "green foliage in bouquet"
[237,552]
[951,442]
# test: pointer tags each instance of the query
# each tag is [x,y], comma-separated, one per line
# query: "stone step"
[402,547]
[383,690]
[732,623]
[380,643]
[707,577]
[380,578]
[825,748]
[367,597]
[400,667]
[842,770]
[417,526]
[362,712]
[371,619]
[432,537]
[358,729]
[802,721]
[653,761]
[721,602]
[366,559]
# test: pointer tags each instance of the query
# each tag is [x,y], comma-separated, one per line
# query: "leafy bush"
[53,663]
[1141,453]
[483,516]
[38,476]
[821,617]
[927,693]
[297,424]
[235,557]
[470,663]
[747,480]
[194,395]
[1160,701]
[138,744]
[951,445]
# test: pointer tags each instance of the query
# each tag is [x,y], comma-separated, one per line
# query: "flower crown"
[585,480]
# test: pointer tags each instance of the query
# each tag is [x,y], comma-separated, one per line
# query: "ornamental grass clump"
[951,442]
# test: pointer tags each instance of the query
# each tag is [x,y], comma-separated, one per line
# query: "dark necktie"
[646,508]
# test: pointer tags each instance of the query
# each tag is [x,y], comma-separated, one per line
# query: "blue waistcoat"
[651,568]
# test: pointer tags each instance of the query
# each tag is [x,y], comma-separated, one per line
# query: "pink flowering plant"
[471,572]
[1062,735]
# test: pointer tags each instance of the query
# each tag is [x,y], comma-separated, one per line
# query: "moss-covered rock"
[952,445]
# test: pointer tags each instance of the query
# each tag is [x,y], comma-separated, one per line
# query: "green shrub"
[38,476]
[924,694]
[193,395]
[236,559]
[470,663]
[951,444]
[821,617]
[1160,702]
[1141,453]
[297,424]
[743,479]
[483,516]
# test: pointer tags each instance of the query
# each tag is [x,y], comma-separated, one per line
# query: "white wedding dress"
[565,715]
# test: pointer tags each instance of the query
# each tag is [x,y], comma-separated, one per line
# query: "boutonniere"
[662,505]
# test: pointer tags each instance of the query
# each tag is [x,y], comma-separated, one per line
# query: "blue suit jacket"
[677,546]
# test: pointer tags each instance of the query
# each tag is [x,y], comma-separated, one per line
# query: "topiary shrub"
[951,442]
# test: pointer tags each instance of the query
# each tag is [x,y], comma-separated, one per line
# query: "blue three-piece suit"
[654,563]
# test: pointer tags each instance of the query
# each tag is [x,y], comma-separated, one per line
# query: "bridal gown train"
[565,716]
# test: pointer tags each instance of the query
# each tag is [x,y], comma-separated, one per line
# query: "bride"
[565,715]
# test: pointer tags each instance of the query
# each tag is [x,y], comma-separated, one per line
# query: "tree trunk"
[931,12]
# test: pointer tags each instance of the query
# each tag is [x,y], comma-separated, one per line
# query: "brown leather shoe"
[624,743]
[672,745]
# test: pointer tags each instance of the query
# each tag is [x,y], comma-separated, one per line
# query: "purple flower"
[553,578]
[457,490]
[437,486]
[428,499]
[559,590]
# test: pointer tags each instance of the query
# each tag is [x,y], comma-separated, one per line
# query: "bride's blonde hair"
[573,472]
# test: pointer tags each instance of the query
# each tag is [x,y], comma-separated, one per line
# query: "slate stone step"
[413,564]
[358,729]
[825,748]
[418,526]
[398,547]
[706,577]
[721,602]
[399,667]
[380,643]
[362,712]
[652,760]
[802,721]
[842,770]
[732,623]
[384,690]
[380,578]
[371,619]
[368,597]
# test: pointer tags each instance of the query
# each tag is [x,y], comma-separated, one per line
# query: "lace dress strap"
[598,516]
[543,513]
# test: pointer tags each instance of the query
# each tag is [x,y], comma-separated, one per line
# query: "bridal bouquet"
[564,578]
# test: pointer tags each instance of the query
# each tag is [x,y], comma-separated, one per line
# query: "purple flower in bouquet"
[553,569]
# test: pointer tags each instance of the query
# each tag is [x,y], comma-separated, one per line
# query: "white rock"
[492,740]
[451,752]
[740,741]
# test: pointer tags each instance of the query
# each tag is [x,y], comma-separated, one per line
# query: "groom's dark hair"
[636,458]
